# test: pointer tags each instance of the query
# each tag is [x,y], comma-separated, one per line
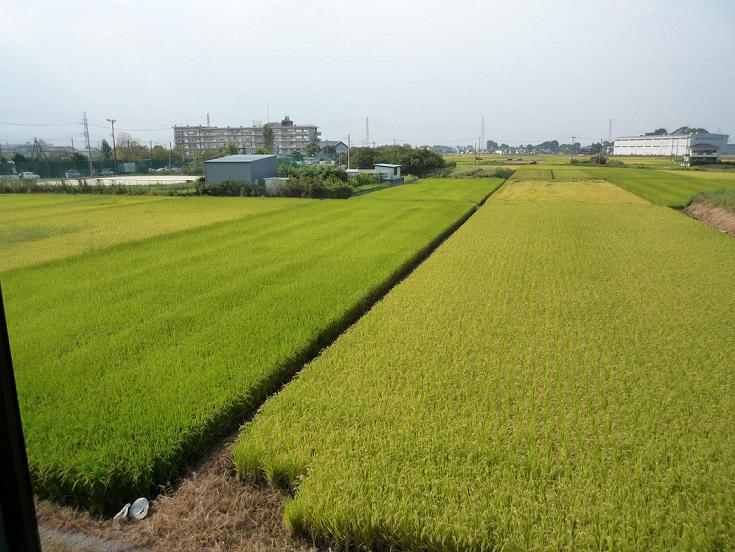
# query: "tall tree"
[106,150]
[268,137]
[311,148]
[159,152]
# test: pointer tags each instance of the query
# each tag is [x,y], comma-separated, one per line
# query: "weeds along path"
[130,360]
[555,376]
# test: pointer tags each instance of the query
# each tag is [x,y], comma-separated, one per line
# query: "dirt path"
[717,217]
[209,510]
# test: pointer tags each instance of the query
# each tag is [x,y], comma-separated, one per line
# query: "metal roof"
[654,137]
[665,136]
[239,158]
[386,165]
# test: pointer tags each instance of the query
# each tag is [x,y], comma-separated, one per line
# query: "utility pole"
[86,139]
[114,149]
[38,152]
[367,133]
[208,120]
[73,151]
[609,131]
[169,154]
[571,149]
[349,145]
[482,134]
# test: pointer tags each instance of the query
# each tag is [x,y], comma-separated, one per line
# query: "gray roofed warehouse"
[240,168]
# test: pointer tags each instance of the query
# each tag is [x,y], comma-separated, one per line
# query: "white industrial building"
[676,145]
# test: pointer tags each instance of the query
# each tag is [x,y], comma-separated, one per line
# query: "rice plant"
[131,359]
[556,376]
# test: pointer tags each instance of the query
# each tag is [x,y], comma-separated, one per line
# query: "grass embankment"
[131,359]
[555,376]
[717,198]
[715,208]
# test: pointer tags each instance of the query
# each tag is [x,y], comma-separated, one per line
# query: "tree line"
[415,161]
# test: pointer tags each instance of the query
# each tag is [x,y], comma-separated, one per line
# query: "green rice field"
[37,227]
[558,375]
[137,348]
[671,188]
[533,173]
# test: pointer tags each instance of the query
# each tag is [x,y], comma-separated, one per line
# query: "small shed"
[388,171]
[240,168]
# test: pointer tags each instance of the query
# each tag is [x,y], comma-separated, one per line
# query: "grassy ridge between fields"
[554,377]
[130,359]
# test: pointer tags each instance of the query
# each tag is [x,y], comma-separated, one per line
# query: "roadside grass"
[130,360]
[553,377]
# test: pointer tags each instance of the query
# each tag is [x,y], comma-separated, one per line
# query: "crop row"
[553,377]
[131,359]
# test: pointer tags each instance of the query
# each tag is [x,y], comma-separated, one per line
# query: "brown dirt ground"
[716,217]
[209,510]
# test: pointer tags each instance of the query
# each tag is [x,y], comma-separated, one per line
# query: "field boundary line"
[244,412]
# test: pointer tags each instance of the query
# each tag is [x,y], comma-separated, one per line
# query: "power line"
[37,124]
[146,129]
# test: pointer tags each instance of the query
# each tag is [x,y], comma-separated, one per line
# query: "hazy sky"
[422,71]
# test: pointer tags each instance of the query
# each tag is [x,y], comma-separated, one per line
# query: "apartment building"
[287,137]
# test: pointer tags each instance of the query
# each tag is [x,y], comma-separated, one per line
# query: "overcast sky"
[422,71]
